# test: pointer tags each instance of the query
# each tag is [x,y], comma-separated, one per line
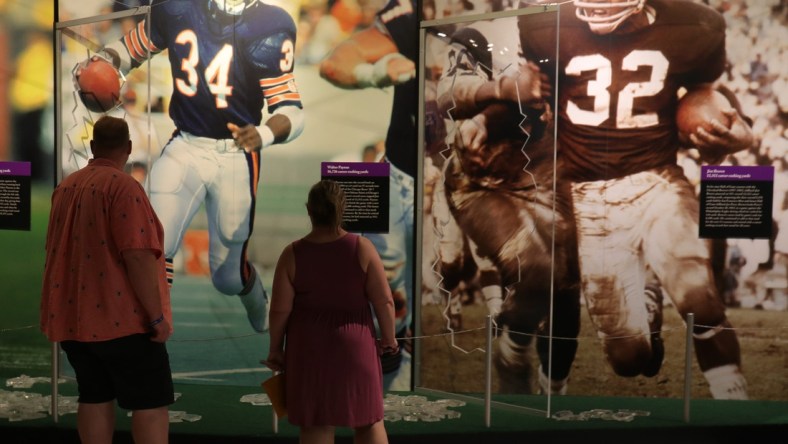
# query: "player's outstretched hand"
[246,137]
[719,140]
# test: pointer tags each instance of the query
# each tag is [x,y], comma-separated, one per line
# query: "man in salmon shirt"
[105,297]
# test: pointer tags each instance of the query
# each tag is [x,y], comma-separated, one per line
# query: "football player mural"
[620,71]
[619,84]
[500,168]
[233,95]
[608,228]
[229,60]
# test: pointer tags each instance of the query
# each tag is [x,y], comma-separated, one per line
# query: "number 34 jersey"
[224,67]
[617,93]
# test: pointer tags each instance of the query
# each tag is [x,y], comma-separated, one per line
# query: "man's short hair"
[110,132]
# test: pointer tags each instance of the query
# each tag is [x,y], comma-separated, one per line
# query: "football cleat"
[653,299]
[257,306]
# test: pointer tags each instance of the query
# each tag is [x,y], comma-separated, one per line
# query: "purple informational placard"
[366,186]
[15,196]
[354,169]
[14,168]
[736,202]
[735,172]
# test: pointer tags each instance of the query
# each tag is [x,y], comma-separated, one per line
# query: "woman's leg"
[316,435]
[371,434]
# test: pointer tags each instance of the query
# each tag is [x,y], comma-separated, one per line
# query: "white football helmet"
[604,16]
[233,7]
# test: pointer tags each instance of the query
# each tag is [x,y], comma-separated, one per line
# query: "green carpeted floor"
[225,419]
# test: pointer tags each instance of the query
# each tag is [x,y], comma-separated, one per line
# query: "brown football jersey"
[617,93]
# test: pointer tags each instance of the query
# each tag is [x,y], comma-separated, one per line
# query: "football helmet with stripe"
[603,17]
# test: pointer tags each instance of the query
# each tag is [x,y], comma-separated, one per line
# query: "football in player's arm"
[709,118]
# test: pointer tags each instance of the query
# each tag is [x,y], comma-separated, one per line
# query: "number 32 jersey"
[617,93]
[224,67]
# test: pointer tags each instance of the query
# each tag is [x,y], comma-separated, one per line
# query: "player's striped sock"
[170,268]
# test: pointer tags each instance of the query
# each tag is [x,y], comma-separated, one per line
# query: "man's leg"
[230,206]
[96,409]
[683,267]
[177,192]
[96,422]
[151,426]
[233,274]
[612,270]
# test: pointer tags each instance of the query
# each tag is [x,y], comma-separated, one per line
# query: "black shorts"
[132,369]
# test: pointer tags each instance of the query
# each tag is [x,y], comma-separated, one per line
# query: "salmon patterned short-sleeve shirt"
[97,213]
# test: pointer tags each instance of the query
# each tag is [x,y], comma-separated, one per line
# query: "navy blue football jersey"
[617,93]
[399,20]
[224,67]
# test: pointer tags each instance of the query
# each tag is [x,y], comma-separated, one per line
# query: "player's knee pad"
[233,229]
[227,281]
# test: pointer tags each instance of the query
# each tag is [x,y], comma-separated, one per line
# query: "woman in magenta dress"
[322,328]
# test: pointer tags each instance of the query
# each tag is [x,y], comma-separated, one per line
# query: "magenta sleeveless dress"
[333,373]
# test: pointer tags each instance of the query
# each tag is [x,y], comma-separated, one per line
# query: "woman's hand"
[275,361]
[387,347]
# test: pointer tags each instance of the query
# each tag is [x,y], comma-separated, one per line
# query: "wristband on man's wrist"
[266,135]
[365,75]
[156,321]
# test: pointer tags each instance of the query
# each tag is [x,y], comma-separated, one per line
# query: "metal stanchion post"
[488,373]
[688,366]
[275,422]
[55,377]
